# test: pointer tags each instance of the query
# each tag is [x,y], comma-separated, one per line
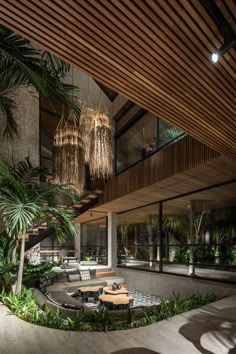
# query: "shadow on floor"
[135,351]
[212,331]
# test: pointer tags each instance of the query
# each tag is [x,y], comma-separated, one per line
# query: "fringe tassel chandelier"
[100,161]
[86,125]
[68,154]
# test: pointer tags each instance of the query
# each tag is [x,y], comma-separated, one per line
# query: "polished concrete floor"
[183,269]
[208,330]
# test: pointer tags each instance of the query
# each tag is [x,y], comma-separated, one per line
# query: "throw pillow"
[84,274]
[74,277]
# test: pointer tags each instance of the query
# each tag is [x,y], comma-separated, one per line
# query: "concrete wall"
[27,118]
[164,285]
[91,92]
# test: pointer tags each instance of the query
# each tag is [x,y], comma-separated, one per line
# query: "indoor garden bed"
[26,307]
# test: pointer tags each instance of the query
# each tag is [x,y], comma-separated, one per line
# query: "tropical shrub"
[21,65]
[25,200]
[7,245]
[25,306]
[7,275]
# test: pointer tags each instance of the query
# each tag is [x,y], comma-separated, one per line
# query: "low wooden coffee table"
[90,291]
[122,291]
[116,302]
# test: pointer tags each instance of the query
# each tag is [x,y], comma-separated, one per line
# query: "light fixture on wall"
[223,49]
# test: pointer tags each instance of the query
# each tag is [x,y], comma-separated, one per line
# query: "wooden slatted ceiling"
[156,53]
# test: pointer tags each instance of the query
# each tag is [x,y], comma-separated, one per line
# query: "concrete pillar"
[112,240]
[77,241]
[191,270]
[27,117]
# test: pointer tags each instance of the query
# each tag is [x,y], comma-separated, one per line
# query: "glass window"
[143,138]
[137,142]
[200,234]
[138,238]
[94,241]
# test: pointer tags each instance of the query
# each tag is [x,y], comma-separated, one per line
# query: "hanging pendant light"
[86,125]
[100,161]
[68,156]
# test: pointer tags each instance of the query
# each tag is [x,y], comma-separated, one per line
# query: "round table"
[116,302]
[90,291]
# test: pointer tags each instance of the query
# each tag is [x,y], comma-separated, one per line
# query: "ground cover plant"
[25,307]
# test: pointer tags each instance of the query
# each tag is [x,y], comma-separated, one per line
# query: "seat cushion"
[63,298]
[85,274]
[74,277]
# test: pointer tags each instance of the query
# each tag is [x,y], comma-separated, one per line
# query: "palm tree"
[21,65]
[25,200]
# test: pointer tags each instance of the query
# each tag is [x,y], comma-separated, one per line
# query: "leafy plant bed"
[25,307]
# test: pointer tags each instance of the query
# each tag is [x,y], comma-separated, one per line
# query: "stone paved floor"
[208,330]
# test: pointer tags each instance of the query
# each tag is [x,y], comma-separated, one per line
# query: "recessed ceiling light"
[228,44]
[215,57]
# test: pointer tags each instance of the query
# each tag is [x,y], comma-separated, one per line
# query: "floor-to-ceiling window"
[138,238]
[198,235]
[94,241]
[144,137]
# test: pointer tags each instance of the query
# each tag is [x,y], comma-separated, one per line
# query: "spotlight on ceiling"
[215,57]
[223,49]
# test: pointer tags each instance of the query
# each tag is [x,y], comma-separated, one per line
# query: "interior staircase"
[37,234]
[88,201]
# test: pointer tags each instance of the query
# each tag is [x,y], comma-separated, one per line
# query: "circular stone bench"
[88,314]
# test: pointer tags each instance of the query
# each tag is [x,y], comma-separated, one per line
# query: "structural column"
[191,269]
[112,239]
[77,241]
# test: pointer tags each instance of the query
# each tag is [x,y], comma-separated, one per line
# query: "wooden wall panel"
[183,155]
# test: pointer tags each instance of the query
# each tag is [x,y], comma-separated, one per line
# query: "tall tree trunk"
[150,245]
[21,266]
[13,256]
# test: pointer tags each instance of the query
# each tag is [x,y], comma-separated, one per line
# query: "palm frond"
[17,216]
[54,65]
[23,65]
[7,109]
[28,174]
[61,220]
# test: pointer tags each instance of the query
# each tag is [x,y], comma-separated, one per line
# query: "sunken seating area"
[76,305]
